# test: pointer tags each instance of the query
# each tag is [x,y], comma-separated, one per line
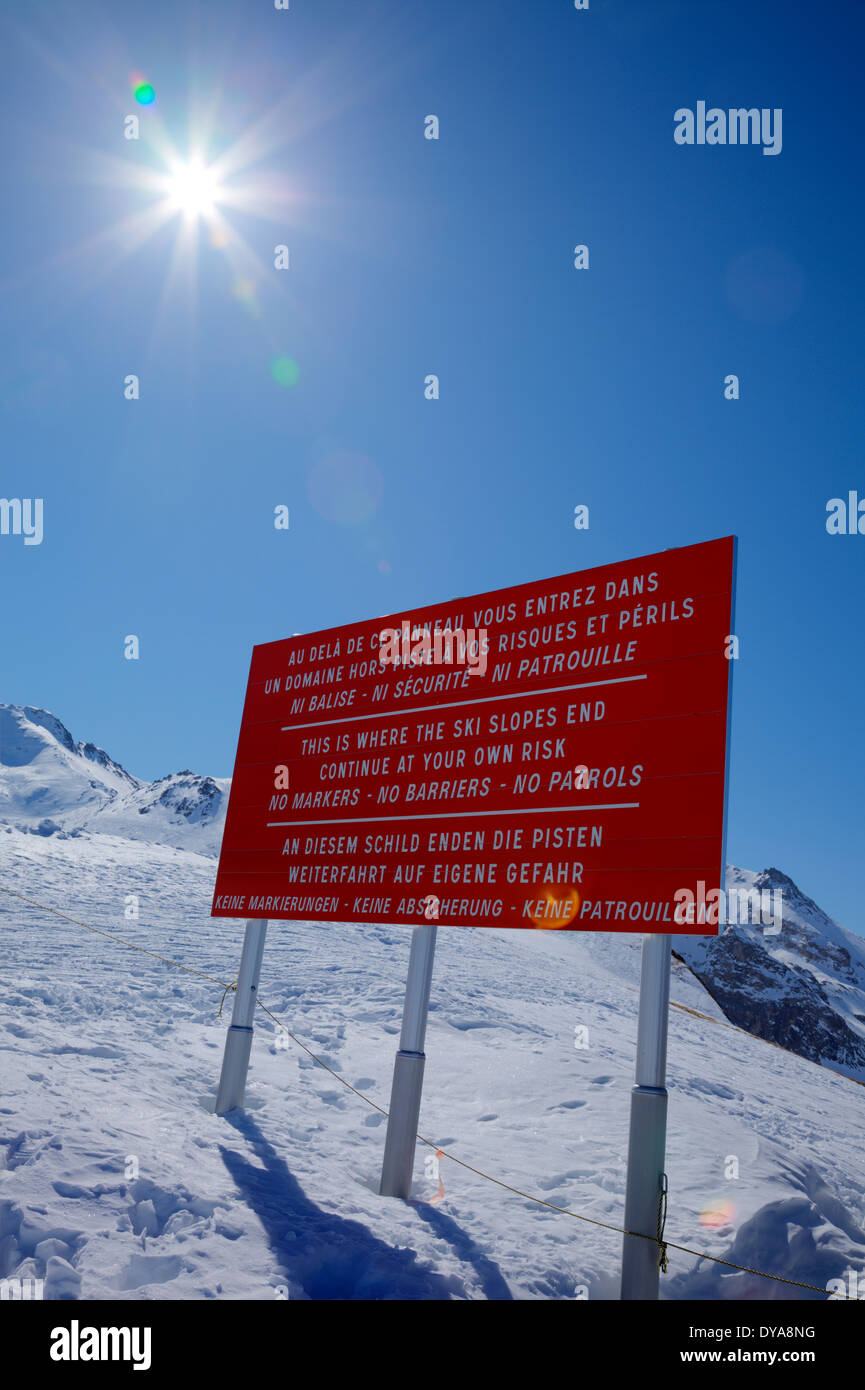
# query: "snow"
[113,1057]
[117,1181]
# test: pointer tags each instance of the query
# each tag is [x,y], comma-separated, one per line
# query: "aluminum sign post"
[648,1137]
[238,1041]
[399,1147]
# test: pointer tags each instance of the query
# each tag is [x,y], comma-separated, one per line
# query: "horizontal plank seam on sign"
[663,1245]
[456,704]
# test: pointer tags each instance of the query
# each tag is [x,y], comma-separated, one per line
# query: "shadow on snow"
[336,1257]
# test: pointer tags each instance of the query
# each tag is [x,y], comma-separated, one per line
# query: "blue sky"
[455,257]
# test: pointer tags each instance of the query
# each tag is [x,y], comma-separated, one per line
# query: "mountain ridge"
[799,983]
[51,784]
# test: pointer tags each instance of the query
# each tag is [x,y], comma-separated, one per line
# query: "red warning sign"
[550,756]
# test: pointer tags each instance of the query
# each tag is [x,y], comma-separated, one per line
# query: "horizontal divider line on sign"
[458,815]
[458,704]
[504,690]
[663,1245]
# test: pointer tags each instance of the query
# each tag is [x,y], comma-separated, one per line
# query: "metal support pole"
[399,1146]
[238,1040]
[648,1136]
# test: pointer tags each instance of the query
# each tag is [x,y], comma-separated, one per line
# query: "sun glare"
[187,194]
[192,189]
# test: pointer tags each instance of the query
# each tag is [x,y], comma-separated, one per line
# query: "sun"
[192,189]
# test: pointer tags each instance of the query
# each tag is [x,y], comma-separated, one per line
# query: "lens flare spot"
[346,488]
[719,1213]
[765,286]
[284,370]
[244,292]
[558,910]
[144,94]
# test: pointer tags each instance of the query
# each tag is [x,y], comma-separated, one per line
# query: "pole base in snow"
[646,1158]
[399,1146]
[235,1065]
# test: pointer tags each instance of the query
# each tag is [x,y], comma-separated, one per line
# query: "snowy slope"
[119,1182]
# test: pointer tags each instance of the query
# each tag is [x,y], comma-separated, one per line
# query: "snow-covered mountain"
[802,987]
[51,785]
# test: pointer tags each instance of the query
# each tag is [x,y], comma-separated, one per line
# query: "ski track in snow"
[110,1059]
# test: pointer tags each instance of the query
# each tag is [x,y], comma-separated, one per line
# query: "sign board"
[551,755]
